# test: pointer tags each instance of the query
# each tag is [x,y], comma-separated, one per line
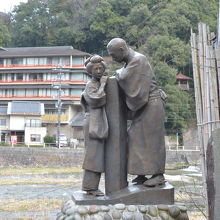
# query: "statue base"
[131,195]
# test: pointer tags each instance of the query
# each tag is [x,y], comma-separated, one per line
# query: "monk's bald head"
[116,43]
[117,49]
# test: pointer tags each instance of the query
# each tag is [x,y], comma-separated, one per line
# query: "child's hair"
[91,60]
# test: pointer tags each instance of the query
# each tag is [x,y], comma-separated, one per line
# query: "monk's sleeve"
[135,80]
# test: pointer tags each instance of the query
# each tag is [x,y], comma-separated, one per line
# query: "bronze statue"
[146,145]
[93,100]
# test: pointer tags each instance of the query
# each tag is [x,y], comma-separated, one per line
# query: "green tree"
[5,35]
[179,109]
[31,22]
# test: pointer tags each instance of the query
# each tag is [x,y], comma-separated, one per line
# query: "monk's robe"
[146,145]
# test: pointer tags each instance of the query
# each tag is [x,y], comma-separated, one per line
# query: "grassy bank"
[65,178]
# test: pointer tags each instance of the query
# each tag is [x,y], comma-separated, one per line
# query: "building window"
[35,137]
[33,123]
[2,121]
[76,91]
[17,60]
[12,76]
[32,92]
[78,60]
[33,76]
[19,76]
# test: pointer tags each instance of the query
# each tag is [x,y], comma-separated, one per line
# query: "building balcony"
[41,66]
[54,118]
[41,81]
[39,98]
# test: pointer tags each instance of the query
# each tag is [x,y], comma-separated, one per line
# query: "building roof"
[24,108]
[41,51]
[181,76]
[77,120]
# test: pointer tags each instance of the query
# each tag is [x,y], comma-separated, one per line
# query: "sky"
[7,5]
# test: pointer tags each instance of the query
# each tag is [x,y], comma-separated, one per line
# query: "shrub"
[49,139]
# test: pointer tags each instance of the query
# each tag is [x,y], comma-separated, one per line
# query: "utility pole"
[218,24]
[58,104]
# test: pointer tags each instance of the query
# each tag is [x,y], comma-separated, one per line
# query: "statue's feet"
[155,180]
[140,179]
[95,192]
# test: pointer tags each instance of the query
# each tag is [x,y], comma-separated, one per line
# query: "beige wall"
[42,131]
[17,123]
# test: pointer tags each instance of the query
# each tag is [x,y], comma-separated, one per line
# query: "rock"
[174,211]
[147,217]
[87,217]
[143,208]
[152,210]
[64,208]
[127,215]
[70,211]
[93,209]
[97,217]
[164,215]
[138,216]
[116,214]
[107,216]
[120,206]
[163,207]
[82,210]
[132,208]
[69,203]
[60,216]
[104,208]
[183,216]
[183,208]
[71,217]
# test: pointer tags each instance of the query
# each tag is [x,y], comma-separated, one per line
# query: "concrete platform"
[132,195]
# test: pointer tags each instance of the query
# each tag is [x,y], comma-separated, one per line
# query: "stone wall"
[183,156]
[23,156]
[190,139]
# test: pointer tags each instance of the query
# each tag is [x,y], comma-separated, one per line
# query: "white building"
[28,74]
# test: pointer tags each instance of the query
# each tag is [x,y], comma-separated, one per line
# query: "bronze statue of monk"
[146,145]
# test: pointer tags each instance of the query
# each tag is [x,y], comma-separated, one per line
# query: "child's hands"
[103,80]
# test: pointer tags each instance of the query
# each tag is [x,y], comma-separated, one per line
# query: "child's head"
[95,66]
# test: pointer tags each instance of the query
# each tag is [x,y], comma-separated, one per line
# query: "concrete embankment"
[66,157]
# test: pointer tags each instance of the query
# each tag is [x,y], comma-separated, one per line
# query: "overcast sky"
[7,5]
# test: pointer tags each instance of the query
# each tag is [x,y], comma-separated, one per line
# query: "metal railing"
[37,97]
[42,81]
[48,65]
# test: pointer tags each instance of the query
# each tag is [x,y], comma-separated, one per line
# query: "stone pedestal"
[132,195]
[121,211]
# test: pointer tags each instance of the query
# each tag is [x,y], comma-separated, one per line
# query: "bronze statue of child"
[93,100]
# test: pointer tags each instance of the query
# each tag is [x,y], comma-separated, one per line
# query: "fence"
[206,72]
